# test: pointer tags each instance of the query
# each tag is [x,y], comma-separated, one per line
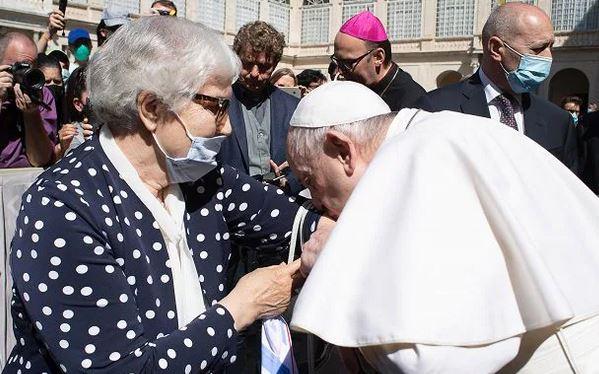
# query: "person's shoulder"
[279,95]
[548,109]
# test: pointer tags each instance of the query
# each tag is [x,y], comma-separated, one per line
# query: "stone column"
[336,18]
[295,23]
[380,10]
[230,21]
[264,11]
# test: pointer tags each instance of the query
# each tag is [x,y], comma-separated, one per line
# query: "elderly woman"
[119,256]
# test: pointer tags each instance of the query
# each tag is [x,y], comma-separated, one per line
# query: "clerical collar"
[249,98]
[383,85]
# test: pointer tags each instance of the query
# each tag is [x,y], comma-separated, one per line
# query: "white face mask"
[200,159]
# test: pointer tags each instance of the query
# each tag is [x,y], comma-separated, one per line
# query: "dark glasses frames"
[349,64]
[218,106]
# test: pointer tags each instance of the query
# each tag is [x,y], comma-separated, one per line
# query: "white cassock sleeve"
[423,359]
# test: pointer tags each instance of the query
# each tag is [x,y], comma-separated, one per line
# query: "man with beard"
[259,111]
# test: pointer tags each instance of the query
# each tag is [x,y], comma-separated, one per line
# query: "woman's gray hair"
[304,145]
[168,56]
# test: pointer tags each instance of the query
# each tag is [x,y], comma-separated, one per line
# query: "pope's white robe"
[462,237]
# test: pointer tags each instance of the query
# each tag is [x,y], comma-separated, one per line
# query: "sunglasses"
[349,64]
[218,106]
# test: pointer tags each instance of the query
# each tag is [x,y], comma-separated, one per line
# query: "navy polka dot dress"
[92,282]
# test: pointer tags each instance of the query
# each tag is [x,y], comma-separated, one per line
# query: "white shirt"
[491,92]
[189,298]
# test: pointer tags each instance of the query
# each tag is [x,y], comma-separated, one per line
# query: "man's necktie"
[506,110]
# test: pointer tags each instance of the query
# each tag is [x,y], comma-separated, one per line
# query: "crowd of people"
[161,235]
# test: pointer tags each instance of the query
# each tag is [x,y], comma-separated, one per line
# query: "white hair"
[168,56]
[304,144]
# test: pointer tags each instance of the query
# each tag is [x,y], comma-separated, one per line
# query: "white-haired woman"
[119,256]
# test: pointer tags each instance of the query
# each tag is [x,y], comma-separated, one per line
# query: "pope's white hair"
[305,145]
[168,56]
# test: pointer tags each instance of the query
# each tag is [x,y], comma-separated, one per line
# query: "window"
[125,6]
[315,22]
[247,11]
[455,18]
[211,13]
[351,8]
[404,19]
[278,15]
[575,15]
[494,3]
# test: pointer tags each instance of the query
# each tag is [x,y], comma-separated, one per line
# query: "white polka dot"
[203,255]
[26,277]
[171,353]
[187,369]
[105,208]
[150,280]
[203,365]
[42,287]
[92,172]
[224,355]
[233,359]
[245,187]
[63,344]
[243,206]
[150,314]
[120,237]
[210,331]
[93,331]
[114,356]
[90,348]
[47,310]
[86,364]
[58,204]
[26,296]
[101,303]
[130,334]
[39,225]
[65,327]
[204,212]
[200,238]
[53,275]
[217,236]
[116,199]
[229,333]
[99,250]
[86,291]
[35,237]
[45,201]
[200,189]
[55,260]
[87,239]
[70,216]
[226,236]
[123,298]
[221,287]
[108,221]
[170,314]
[38,324]
[162,363]
[109,269]
[220,311]
[219,268]
[157,246]
[68,314]
[214,351]
[188,343]
[164,278]
[68,290]
[274,213]
[81,269]
[131,280]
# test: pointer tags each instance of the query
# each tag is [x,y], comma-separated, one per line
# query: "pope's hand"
[311,249]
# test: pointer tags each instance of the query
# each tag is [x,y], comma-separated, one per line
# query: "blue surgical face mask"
[65,75]
[530,73]
[200,159]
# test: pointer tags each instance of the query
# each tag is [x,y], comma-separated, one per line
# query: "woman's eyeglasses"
[218,106]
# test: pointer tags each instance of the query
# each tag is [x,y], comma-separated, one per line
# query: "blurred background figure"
[284,78]
[54,82]
[572,104]
[112,19]
[64,62]
[56,22]
[310,79]
[80,45]
[592,107]
[334,73]
[163,8]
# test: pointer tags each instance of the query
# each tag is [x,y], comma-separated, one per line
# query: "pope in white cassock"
[461,245]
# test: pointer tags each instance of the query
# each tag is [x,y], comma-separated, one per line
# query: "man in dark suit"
[517,40]
[259,112]
[589,125]
[363,55]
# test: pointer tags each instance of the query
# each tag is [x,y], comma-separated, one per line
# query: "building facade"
[437,41]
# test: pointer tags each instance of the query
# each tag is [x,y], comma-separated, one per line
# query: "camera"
[32,80]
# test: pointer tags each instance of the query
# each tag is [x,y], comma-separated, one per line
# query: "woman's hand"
[312,248]
[264,292]
[88,129]
[66,134]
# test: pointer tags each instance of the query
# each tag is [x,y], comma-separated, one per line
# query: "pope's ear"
[342,148]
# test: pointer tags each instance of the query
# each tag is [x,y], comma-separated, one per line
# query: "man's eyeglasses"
[349,64]
[218,106]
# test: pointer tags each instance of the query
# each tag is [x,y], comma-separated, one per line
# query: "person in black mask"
[53,75]
[78,110]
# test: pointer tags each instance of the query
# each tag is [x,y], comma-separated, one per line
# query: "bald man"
[517,40]
[29,131]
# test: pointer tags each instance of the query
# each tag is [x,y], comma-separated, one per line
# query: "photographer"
[28,112]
